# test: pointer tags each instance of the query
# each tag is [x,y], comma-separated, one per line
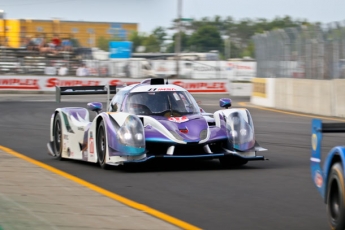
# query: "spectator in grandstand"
[46,47]
[39,40]
[66,45]
[56,41]
[30,44]
[82,71]
[63,70]
[103,71]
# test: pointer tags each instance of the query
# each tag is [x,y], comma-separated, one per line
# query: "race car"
[149,120]
[329,179]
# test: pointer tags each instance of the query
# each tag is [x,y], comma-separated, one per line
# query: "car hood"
[188,128]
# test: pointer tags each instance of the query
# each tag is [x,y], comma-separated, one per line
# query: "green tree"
[160,34]
[240,32]
[184,43]
[137,39]
[151,44]
[103,43]
[206,38]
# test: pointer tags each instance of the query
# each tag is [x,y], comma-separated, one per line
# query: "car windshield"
[166,103]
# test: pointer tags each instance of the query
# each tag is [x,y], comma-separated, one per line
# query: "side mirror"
[225,102]
[95,106]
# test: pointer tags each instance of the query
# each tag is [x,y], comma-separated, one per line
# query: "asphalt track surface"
[273,194]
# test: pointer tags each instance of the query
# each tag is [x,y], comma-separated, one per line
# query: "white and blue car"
[152,119]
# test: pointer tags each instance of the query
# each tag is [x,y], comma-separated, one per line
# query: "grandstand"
[19,61]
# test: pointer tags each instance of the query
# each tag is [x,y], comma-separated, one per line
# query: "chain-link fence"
[313,52]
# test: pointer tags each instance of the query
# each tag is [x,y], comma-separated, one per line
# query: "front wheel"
[57,132]
[101,145]
[335,198]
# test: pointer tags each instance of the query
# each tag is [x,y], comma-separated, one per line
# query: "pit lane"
[274,194]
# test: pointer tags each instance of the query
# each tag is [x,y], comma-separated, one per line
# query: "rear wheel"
[58,144]
[101,145]
[335,198]
[232,162]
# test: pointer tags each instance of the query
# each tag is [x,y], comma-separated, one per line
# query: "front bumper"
[201,156]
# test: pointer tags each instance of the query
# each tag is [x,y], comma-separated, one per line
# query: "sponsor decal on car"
[314,141]
[318,179]
[91,144]
[162,89]
[178,119]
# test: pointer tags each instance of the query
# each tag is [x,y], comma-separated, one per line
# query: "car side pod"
[329,179]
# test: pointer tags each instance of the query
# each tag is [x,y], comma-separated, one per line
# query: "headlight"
[127,136]
[131,133]
[243,132]
[139,136]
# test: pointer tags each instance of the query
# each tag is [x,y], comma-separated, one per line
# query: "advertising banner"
[46,84]
[120,49]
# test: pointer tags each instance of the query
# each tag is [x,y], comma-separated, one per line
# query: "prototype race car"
[152,119]
[330,178]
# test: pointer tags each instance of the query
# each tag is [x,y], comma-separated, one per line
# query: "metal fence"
[313,52]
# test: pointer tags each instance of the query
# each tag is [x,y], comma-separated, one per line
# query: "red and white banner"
[45,84]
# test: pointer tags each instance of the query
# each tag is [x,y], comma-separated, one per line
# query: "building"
[18,31]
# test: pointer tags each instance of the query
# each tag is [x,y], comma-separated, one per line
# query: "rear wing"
[85,90]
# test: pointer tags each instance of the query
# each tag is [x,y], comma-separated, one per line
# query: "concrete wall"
[263,92]
[319,97]
[339,97]
[240,89]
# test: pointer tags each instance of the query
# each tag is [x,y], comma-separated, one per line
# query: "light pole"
[2,16]
[227,46]
[178,37]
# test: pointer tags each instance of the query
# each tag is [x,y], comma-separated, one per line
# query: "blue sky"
[152,13]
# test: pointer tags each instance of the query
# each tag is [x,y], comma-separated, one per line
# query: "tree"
[206,38]
[137,39]
[152,44]
[184,43]
[160,34]
[103,43]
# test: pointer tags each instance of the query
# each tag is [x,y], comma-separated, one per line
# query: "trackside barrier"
[39,84]
[319,97]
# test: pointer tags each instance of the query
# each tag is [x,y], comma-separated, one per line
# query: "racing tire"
[58,138]
[335,198]
[101,146]
[232,162]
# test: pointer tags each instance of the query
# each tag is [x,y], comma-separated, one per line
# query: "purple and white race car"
[150,120]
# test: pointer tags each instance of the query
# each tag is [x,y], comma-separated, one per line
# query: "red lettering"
[16,81]
[52,82]
[114,82]
[179,83]
[203,84]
